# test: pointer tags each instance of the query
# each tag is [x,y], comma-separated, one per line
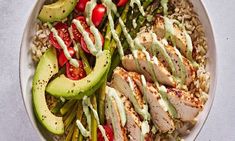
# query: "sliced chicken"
[181,64]
[113,118]
[159,115]
[186,106]
[179,36]
[121,83]
[132,127]
[133,124]
[150,69]
[145,39]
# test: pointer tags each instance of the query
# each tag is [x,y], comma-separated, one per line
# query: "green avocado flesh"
[76,89]
[57,11]
[46,68]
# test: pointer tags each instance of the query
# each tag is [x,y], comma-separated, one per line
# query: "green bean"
[94,124]
[58,106]
[86,64]
[75,134]
[69,135]
[67,106]
[108,37]
[119,28]
[79,117]
[80,138]
[70,116]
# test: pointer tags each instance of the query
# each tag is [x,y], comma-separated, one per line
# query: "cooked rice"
[40,41]
[184,13]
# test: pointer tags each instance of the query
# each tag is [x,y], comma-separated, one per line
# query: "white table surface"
[14,123]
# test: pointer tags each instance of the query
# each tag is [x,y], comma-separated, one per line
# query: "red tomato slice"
[109,133]
[63,32]
[98,14]
[75,73]
[76,34]
[121,2]
[83,43]
[81,5]
[62,58]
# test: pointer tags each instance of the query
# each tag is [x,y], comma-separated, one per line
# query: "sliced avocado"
[57,11]
[46,68]
[76,89]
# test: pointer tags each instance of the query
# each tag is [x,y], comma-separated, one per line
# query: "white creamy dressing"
[90,46]
[88,11]
[114,34]
[167,106]
[155,60]
[138,45]
[112,93]
[83,130]
[113,118]
[165,7]
[150,64]
[158,46]
[189,49]
[189,45]
[72,61]
[102,130]
[142,111]
[134,23]
[87,106]
[135,55]
[98,40]
[182,72]
[170,31]
[144,83]
[169,28]
[138,3]
[111,7]
[144,129]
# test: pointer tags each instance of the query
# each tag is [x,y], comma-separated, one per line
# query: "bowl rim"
[20,68]
[213,89]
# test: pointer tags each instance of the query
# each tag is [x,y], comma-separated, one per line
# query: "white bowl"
[27,68]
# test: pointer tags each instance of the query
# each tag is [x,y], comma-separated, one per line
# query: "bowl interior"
[27,68]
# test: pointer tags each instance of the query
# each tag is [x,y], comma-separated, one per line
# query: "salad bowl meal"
[118,70]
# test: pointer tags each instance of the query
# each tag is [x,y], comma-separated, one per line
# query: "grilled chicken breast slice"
[146,39]
[186,65]
[133,124]
[157,69]
[120,83]
[179,36]
[132,129]
[186,106]
[112,113]
[159,115]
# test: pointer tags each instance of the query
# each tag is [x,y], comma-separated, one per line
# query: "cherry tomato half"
[75,73]
[62,58]
[76,34]
[120,2]
[81,5]
[63,32]
[83,43]
[109,133]
[98,14]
